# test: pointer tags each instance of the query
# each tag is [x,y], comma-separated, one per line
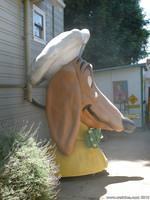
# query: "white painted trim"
[36,39]
[41,12]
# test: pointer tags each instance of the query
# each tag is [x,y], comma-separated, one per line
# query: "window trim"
[42,13]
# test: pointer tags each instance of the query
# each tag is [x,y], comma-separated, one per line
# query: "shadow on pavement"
[119,147]
[90,187]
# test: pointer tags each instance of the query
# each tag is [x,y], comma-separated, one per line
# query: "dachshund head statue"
[73,97]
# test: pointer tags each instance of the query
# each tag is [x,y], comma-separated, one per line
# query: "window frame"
[42,13]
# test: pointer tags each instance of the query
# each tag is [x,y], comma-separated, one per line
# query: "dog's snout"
[129,125]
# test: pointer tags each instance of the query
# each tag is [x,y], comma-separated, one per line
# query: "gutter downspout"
[27,36]
[28,60]
[53,21]
[142,96]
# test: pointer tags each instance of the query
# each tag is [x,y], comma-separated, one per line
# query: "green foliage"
[93,138]
[118,35]
[27,169]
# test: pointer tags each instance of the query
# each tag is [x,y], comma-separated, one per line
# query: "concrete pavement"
[127,175]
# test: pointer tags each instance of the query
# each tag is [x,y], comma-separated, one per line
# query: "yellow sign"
[133,99]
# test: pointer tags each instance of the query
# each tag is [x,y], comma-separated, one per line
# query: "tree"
[118,35]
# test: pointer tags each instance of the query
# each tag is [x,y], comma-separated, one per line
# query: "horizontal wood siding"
[15,111]
[12,69]
[58,20]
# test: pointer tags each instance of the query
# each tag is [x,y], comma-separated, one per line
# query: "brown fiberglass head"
[97,110]
[73,97]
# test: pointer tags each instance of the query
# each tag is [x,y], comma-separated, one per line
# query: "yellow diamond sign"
[133,99]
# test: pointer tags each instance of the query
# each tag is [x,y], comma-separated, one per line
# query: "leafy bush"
[28,170]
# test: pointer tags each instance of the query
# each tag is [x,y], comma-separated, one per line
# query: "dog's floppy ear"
[63,108]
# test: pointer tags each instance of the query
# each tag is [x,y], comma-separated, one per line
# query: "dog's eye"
[95,94]
[89,80]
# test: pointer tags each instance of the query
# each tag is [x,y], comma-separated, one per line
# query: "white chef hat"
[58,52]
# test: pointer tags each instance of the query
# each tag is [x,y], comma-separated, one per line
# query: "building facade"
[25,28]
[124,86]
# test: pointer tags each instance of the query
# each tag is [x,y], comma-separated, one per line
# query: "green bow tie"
[93,138]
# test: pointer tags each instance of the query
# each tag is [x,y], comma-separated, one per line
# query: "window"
[39,28]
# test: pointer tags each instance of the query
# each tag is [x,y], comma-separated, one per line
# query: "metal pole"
[142,95]
[27,34]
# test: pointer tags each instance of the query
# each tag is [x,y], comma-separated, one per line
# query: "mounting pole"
[27,36]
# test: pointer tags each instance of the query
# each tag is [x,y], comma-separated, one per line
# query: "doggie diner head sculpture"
[73,97]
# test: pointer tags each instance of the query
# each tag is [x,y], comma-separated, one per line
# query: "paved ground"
[127,176]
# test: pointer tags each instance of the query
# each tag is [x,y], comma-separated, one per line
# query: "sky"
[145,4]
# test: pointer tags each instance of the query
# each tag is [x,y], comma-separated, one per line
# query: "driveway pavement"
[127,175]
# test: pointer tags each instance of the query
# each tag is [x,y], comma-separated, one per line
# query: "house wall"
[104,80]
[11,42]
[58,20]
[15,111]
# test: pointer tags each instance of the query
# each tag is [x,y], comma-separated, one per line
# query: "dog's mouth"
[89,109]
[99,121]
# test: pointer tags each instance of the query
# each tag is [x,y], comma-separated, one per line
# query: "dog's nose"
[129,125]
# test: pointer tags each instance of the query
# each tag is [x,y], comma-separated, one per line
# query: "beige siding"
[58,20]
[15,111]
[11,42]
